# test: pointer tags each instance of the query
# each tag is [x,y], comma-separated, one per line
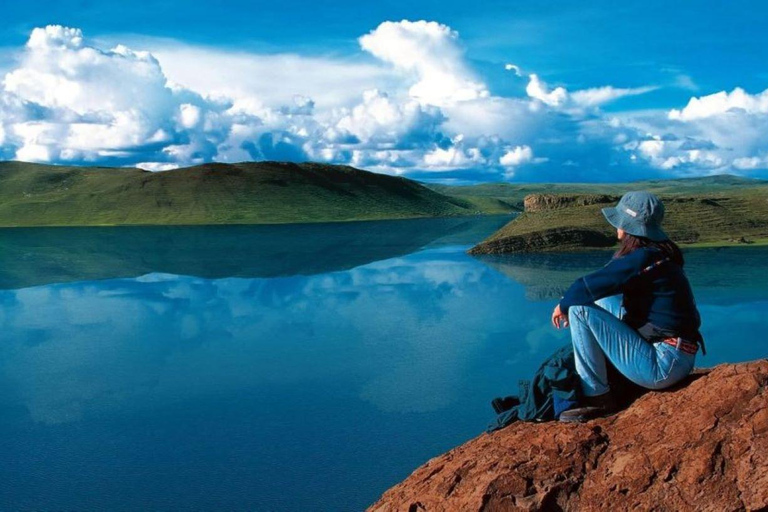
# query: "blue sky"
[649,89]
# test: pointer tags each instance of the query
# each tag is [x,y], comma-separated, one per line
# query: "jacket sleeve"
[607,281]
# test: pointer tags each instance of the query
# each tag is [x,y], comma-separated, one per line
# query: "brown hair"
[631,243]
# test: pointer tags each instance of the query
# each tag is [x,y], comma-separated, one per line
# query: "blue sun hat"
[639,214]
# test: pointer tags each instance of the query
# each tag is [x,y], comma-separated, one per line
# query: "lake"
[294,367]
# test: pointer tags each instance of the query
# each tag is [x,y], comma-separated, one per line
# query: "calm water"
[280,367]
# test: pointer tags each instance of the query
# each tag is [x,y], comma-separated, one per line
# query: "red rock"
[702,445]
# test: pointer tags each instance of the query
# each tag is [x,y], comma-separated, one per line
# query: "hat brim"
[613,217]
[656,234]
[620,220]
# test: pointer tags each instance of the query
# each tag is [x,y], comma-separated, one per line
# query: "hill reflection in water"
[37,256]
[741,271]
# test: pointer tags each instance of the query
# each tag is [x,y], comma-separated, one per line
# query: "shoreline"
[242,224]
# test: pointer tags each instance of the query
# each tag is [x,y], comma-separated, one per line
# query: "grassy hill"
[563,222]
[513,194]
[244,193]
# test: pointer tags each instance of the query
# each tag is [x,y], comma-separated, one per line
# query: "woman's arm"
[606,281]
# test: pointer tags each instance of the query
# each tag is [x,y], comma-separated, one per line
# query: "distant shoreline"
[245,224]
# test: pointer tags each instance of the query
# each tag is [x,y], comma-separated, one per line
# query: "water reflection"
[302,389]
[739,271]
[35,256]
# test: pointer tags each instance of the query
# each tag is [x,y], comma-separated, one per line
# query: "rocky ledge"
[702,445]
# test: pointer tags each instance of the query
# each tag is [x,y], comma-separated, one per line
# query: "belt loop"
[679,342]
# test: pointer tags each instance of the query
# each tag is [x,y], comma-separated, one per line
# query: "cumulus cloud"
[74,102]
[429,53]
[383,121]
[539,90]
[462,153]
[671,154]
[415,106]
[737,101]
[70,101]
[517,156]
[720,132]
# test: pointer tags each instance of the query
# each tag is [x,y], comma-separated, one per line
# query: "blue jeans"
[598,332]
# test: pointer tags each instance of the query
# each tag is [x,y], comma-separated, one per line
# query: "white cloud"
[539,90]
[275,79]
[721,132]
[720,103]
[155,166]
[514,68]
[94,103]
[454,157]
[418,108]
[600,95]
[69,101]
[428,53]
[517,156]
[585,98]
[189,115]
[751,163]
[380,119]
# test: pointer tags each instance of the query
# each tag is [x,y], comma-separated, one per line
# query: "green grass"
[752,242]
[244,193]
[696,220]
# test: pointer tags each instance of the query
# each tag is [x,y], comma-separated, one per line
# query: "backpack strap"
[654,265]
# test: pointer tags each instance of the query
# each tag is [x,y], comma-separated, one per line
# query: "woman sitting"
[638,310]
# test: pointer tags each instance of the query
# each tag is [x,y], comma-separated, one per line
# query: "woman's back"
[660,295]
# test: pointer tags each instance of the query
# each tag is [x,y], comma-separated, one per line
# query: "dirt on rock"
[702,446]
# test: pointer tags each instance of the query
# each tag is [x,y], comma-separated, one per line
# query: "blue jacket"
[657,295]
[554,388]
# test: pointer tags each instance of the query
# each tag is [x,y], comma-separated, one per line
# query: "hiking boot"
[501,405]
[594,407]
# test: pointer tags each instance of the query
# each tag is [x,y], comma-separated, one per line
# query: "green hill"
[564,222]
[244,193]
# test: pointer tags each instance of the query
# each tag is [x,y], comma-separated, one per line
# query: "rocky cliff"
[542,202]
[702,445]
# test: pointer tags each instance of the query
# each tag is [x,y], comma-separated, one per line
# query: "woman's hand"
[558,318]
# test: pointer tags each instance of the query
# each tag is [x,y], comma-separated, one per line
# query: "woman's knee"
[611,304]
